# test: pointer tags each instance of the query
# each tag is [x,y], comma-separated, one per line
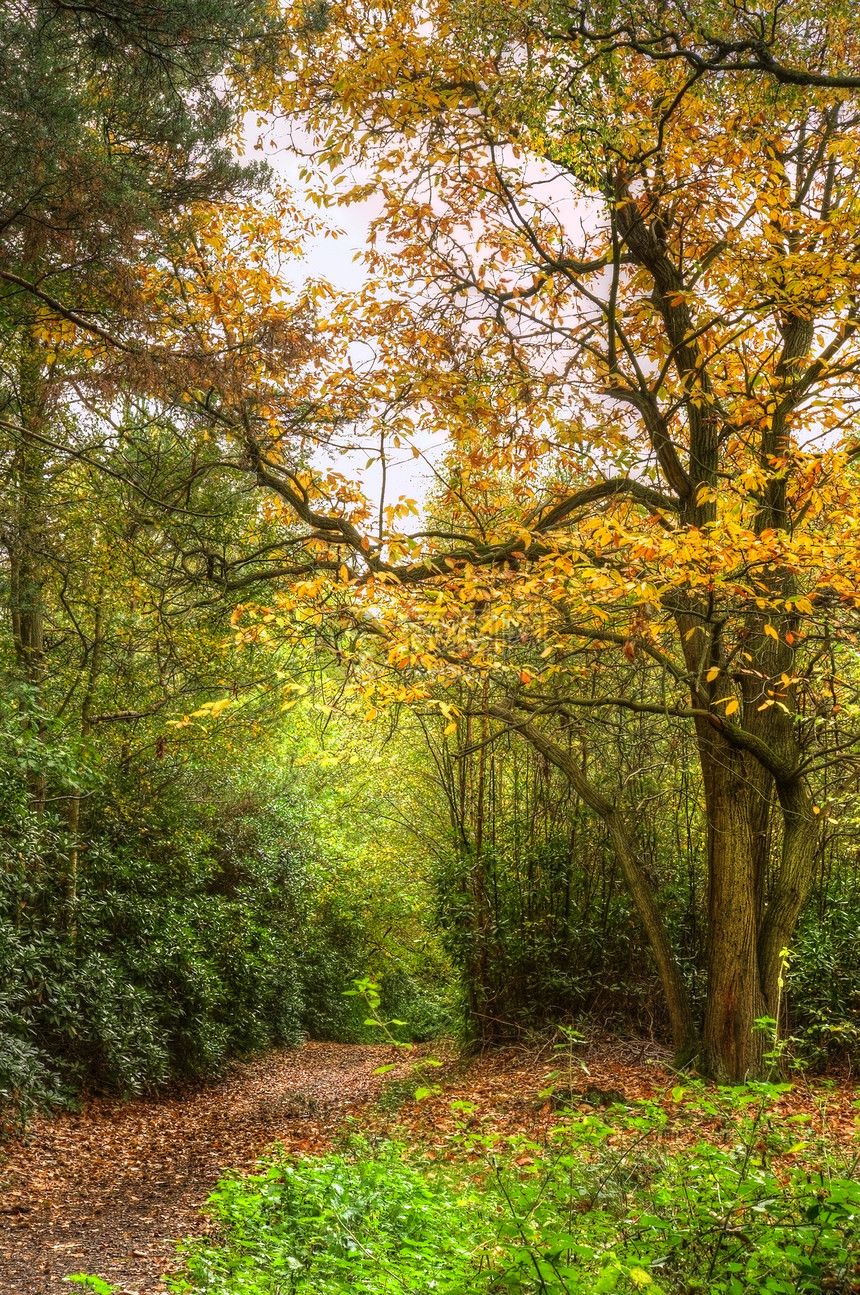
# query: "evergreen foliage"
[112,117]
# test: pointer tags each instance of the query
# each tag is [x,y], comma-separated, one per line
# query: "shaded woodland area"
[471,653]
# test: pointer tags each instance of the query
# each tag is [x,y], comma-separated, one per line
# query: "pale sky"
[333,259]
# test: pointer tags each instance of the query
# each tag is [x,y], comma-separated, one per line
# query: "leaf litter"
[109,1189]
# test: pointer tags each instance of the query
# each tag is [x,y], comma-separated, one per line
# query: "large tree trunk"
[748,928]
[731,1049]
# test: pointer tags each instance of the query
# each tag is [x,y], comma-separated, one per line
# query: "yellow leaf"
[712,673]
[732,706]
[768,629]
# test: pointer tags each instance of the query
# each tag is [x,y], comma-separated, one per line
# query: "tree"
[616,267]
[118,124]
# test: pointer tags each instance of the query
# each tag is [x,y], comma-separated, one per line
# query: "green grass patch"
[630,1200]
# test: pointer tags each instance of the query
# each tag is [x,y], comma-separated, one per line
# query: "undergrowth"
[629,1200]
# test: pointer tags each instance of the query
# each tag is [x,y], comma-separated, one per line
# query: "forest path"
[108,1189]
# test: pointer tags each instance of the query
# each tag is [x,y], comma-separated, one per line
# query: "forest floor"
[110,1188]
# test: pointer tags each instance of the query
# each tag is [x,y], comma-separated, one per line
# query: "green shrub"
[356,1222]
[824,987]
[150,970]
[631,1200]
[427,1005]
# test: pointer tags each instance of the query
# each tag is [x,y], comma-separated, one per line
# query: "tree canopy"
[615,267]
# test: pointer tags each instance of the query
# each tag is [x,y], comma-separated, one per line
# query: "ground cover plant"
[703,1190]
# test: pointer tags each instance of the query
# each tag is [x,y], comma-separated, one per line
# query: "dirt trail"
[107,1190]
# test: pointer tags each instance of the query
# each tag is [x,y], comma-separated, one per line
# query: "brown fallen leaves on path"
[508,1091]
[109,1189]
